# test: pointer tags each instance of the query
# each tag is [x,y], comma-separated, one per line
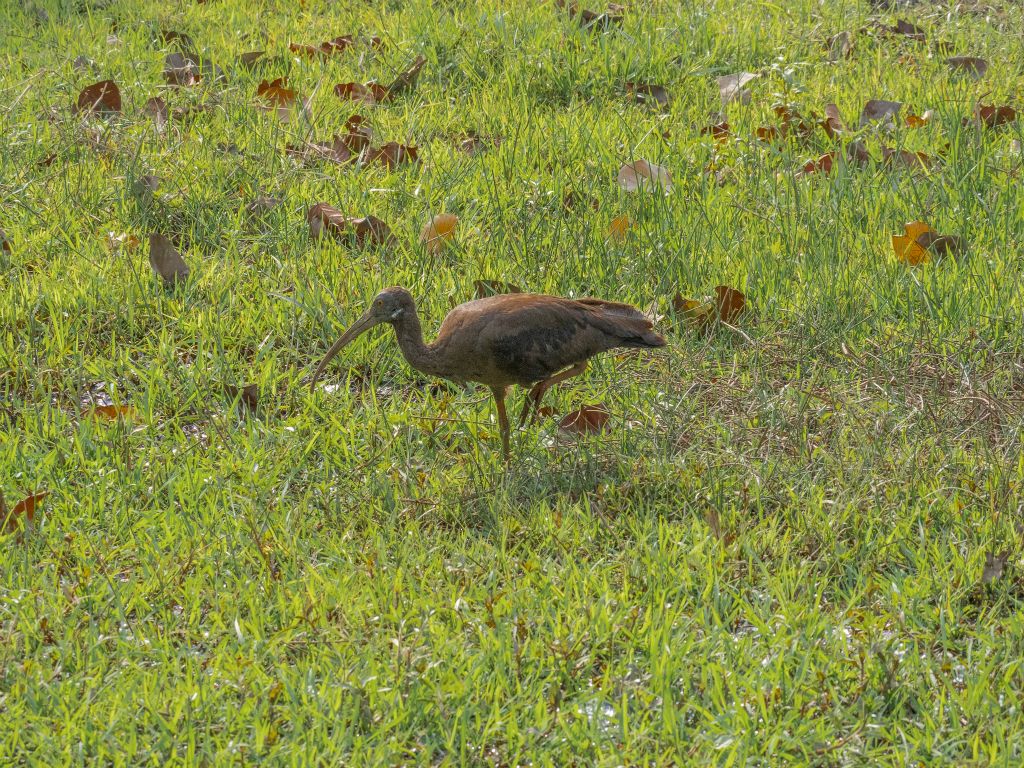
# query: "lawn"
[797,540]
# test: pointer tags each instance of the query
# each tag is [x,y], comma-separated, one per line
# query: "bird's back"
[523,338]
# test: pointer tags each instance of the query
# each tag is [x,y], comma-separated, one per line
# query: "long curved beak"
[359,327]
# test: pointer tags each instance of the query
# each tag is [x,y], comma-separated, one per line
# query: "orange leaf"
[25,508]
[620,227]
[439,231]
[112,412]
[586,420]
[919,121]
[906,246]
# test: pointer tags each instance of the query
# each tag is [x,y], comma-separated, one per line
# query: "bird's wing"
[624,322]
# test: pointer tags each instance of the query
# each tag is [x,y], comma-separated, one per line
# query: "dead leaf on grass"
[644,175]
[839,46]
[390,155]
[280,98]
[730,87]
[968,65]
[324,219]
[248,395]
[588,420]
[406,80]
[180,71]
[156,108]
[879,109]
[369,94]
[995,565]
[102,98]
[111,413]
[23,510]
[439,231]
[643,93]
[165,260]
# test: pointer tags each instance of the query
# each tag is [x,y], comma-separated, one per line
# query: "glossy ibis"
[527,339]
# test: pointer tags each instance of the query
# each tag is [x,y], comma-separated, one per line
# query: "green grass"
[773,557]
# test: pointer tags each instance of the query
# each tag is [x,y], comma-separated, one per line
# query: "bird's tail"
[629,324]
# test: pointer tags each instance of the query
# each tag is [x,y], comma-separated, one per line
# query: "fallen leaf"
[768,133]
[145,186]
[919,121]
[909,30]
[992,117]
[907,247]
[101,98]
[166,261]
[968,65]
[857,153]
[5,242]
[327,48]
[262,205]
[730,87]
[404,81]
[248,60]
[941,245]
[324,219]
[485,288]
[157,109]
[571,200]
[720,132]
[26,508]
[699,313]
[879,109]
[643,93]
[122,242]
[248,395]
[179,70]
[359,133]
[439,231]
[587,420]
[839,46]
[111,413]
[620,227]
[914,161]
[337,151]
[281,98]
[182,40]
[391,155]
[833,122]
[644,175]
[472,143]
[995,565]
[369,94]
[731,303]
[822,165]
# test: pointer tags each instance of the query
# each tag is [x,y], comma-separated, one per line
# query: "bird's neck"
[419,355]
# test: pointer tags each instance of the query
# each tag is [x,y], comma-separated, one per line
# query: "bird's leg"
[499,400]
[533,399]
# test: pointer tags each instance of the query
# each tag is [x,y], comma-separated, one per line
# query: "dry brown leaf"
[249,60]
[968,65]
[248,395]
[485,288]
[909,30]
[111,413]
[157,109]
[731,303]
[857,153]
[181,71]
[918,121]
[5,242]
[992,117]
[914,161]
[570,200]
[728,305]
[404,81]
[822,165]
[473,143]
[391,155]
[24,509]
[439,231]
[281,99]
[324,219]
[644,93]
[730,87]
[166,261]
[879,109]
[644,175]
[995,565]
[590,419]
[337,151]
[839,46]
[720,132]
[359,133]
[102,98]
[833,122]
[369,94]
[327,48]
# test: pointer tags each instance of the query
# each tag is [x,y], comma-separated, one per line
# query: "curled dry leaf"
[833,123]
[730,87]
[994,566]
[879,109]
[822,165]
[620,227]
[165,260]
[728,306]
[918,121]
[369,94]
[644,175]
[720,132]
[337,151]
[24,509]
[327,48]
[145,187]
[249,60]
[324,219]
[914,161]
[391,155]
[992,117]
[262,205]
[484,288]
[439,231]
[279,97]
[857,153]
[906,29]
[156,108]
[968,65]
[839,46]
[588,420]
[5,242]
[111,413]
[179,70]
[643,93]
[182,40]
[405,80]
[102,98]
[941,245]
[248,395]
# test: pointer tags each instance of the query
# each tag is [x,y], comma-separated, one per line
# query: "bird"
[527,339]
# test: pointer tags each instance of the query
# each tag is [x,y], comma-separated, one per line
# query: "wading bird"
[519,338]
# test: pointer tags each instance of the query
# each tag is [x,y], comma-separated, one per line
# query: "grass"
[775,555]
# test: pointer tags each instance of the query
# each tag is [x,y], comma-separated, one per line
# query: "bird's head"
[389,306]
